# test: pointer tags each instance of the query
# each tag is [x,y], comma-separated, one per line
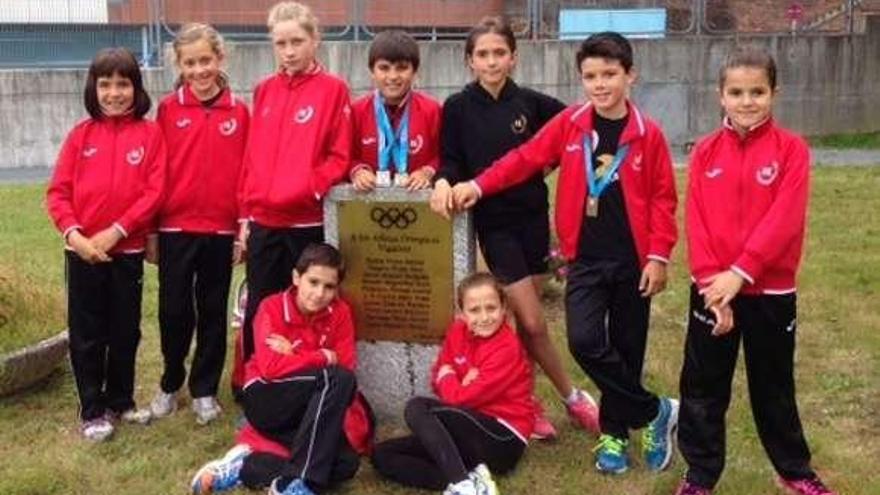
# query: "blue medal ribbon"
[597,185]
[393,145]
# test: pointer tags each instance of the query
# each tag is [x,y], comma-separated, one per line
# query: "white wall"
[53,11]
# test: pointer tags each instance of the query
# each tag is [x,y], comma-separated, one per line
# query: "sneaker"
[688,488]
[657,438]
[808,486]
[583,411]
[544,429]
[482,477]
[133,415]
[97,430]
[220,474]
[611,456]
[163,404]
[295,487]
[464,487]
[207,409]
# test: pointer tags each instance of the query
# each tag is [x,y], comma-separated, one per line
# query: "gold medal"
[592,206]
[605,162]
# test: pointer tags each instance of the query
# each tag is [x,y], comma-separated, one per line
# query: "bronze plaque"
[399,264]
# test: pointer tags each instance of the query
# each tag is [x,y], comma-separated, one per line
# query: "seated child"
[485,413]
[299,390]
[396,129]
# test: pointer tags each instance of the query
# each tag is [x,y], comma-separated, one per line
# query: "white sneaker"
[133,415]
[464,487]
[207,409]
[97,430]
[163,404]
[483,480]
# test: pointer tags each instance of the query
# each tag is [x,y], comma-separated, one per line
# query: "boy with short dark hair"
[299,383]
[615,219]
[396,129]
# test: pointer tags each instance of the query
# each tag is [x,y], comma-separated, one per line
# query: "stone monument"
[403,263]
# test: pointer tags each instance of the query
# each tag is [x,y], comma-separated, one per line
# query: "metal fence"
[68,32]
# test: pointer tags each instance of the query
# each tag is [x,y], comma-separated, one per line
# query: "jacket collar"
[292,314]
[187,98]
[507,91]
[753,132]
[584,118]
[301,77]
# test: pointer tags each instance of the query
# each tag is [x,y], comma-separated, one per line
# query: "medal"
[383,178]
[592,206]
[599,179]
[400,179]
[393,144]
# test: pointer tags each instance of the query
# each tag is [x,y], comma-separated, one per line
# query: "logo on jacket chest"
[89,151]
[183,123]
[135,157]
[228,127]
[304,114]
[460,360]
[520,124]
[767,174]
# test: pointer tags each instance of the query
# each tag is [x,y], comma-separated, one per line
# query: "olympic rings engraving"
[393,217]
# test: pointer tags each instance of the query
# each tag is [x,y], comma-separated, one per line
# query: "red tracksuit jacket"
[205,151]
[504,386]
[646,178]
[299,145]
[747,206]
[333,329]
[424,133]
[109,172]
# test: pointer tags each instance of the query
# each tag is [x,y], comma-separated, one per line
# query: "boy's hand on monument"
[723,320]
[441,199]
[151,253]
[364,180]
[464,196]
[420,179]
[653,279]
[279,344]
[722,288]
[331,356]
[471,375]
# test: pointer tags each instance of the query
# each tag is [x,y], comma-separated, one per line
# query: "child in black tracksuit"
[488,118]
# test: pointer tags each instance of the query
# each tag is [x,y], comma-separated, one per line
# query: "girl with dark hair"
[103,195]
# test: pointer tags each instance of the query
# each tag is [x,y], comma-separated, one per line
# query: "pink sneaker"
[808,486]
[584,412]
[544,429]
[688,488]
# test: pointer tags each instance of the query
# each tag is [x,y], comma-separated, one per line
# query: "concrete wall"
[829,85]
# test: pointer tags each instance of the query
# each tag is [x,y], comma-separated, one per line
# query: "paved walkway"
[821,157]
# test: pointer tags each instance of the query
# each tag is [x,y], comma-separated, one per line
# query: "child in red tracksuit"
[615,219]
[396,129]
[484,413]
[205,127]
[299,146]
[299,383]
[746,212]
[105,190]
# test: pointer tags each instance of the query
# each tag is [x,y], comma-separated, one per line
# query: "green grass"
[837,372]
[864,141]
